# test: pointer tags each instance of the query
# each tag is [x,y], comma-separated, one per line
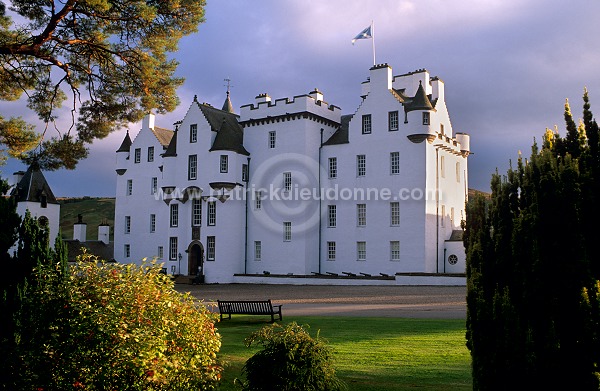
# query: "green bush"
[113,327]
[290,360]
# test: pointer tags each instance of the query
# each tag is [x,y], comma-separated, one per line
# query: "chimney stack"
[80,229]
[104,233]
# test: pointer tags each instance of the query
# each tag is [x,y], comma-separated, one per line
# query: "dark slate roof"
[126,144]
[172,147]
[33,186]
[230,135]
[419,102]
[456,236]
[163,135]
[227,106]
[341,135]
[98,248]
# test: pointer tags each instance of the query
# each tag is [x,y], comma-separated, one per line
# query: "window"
[361,251]
[287,231]
[257,200]
[331,251]
[173,248]
[393,120]
[332,167]
[245,176]
[129,187]
[192,167]
[212,213]
[361,165]
[452,217]
[395,250]
[196,213]
[160,254]
[426,118]
[153,185]
[193,133]
[332,216]
[287,181]
[127,224]
[224,164]
[127,251]
[272,139]
[137,155]
[443,215]
[458,172]
[150,154]
[152,223]
[442,128]
[210,248]
[394,214]
[257,250]
[361,215]
[174,209]
[395,163]
[366,124]
[442,167]
[44,201]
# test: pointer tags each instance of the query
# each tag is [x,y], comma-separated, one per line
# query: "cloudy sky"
[508,66]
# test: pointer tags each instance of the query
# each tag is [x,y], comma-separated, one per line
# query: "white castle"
[292,188]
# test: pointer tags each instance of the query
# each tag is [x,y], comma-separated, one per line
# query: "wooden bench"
[256,307]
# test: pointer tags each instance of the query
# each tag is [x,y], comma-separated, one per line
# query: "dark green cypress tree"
[527,264]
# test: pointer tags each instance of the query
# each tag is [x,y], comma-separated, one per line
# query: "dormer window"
[426,118]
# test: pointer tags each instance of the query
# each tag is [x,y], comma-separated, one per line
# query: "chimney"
[80,229]
[148,121]
[104,233]
[316,94]
[381,77]
[262,98]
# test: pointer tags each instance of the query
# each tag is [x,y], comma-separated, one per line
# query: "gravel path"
[373,301]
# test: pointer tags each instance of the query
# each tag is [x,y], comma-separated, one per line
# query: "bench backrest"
[246,306]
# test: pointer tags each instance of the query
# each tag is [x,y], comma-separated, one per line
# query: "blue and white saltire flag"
[365,34]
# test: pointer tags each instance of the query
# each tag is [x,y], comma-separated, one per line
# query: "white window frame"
[127,224]
[452,216]
[393,120]
[331,251]
[129,190]
[287,231]
[443,216]
[211,247]
[153,185]
[331,216]
[361,215]
[193,133]
[367,124]
[257,250]
[394,214]
[458,172]
[173,248]
[272,139]
[361,165]
[224,164]
[361,251]
[152,222]
[192,167]
[196,212]
[442,166]
[174,215]
[394,250]
[426,118]
[257,200]
[211,214]
[127,250]
[394,163]
[332,167]
[160,251]
[287,181]
[137,155]
[150,154]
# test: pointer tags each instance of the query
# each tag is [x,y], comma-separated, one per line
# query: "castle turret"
[123,154]
[465,143]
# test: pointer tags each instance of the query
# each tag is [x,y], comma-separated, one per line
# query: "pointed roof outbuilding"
[33,187]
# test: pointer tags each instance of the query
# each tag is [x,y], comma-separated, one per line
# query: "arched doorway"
[195,259]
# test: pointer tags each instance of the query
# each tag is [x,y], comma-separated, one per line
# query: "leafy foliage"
[97,326]
[108,58]
[290,360]
[530,256]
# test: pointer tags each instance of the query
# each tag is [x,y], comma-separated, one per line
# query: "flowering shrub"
[105,326]
[290,360]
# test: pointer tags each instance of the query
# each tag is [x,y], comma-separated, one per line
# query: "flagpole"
[373,40]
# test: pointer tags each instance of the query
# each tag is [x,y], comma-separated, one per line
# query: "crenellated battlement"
[312,103]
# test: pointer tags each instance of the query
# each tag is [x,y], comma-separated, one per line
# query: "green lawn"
[371,353]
